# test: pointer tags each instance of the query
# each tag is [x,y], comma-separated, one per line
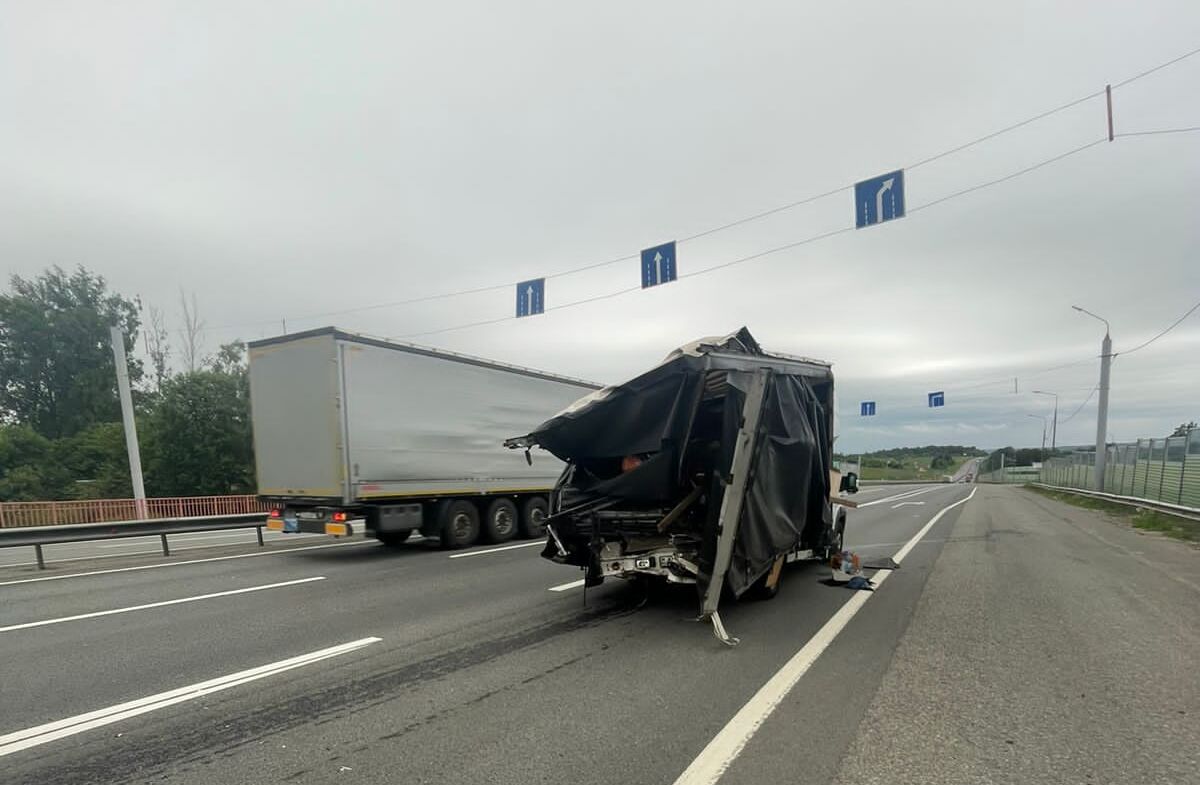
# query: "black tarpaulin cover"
[655,416]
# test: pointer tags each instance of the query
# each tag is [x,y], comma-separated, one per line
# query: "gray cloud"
[289,159]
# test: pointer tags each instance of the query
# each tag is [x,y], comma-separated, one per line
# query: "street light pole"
[1106,356]
[1041,417]
[1054,427]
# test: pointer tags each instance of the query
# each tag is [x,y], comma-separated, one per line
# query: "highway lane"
[453,631]
[72,552]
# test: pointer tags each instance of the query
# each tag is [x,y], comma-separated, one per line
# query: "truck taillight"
[340,517]
[275,513]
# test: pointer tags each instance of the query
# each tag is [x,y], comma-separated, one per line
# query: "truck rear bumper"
[289,525]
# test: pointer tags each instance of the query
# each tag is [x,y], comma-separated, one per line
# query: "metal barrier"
[37,536]
[1179,510]
[1163,469]
[55,513]
[1015,475]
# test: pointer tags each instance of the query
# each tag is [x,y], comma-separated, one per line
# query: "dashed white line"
[496,550]
[50,731]
[714,760]
[180,601]
[899,496]
[567,586]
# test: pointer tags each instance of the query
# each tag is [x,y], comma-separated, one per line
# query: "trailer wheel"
[458,521]
[500,523]
[392,539]
[533,517]
[767,586]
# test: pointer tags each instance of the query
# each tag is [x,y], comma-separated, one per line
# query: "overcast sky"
[290,160]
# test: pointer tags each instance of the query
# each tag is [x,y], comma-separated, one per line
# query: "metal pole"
[1102,412]
[166,551]
[260,539]
[1054,431]
[131,440]
[1001,468]
[1146,475]
[40,559]
[1162,472]
[1108,96]
[1124,467]
[1187,442]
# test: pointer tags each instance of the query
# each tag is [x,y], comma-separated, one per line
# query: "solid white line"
[905,495]
[41,734]
[496,550]
[715,759]
[567,586]
[171,564]
[148,605]
[907,504]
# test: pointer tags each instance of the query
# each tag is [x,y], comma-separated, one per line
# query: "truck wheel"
[459,523]
[500,523]
[392,539]
[767,586]
[533,517]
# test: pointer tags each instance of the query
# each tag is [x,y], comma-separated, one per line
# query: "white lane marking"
[496,550]
[567,586]
[905,504]
[172,564]
[899,496]
[715,759]
[161,604]
[41,734]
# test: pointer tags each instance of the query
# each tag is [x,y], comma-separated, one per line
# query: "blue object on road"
[937,399]
[867,409]
[879,199]
[531,297]
[658,265]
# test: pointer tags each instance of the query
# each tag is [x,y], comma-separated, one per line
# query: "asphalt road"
[1020,641]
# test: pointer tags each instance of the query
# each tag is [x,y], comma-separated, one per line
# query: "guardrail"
[1192,513]
[55,513]
[37,536]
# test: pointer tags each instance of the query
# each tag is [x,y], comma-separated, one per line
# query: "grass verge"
[1149,520]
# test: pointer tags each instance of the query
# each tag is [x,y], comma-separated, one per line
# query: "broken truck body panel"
[709,469]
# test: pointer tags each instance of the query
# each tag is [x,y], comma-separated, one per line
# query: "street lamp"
[1041,417]
[1054,428]
[1106,356]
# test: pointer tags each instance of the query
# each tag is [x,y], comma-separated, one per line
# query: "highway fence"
[1014,475]
[57,513]
[1166,470]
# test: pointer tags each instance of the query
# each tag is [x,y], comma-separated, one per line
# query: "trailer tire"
[533,517]
[392,539]
[458,523]
[501,523]
[767,586]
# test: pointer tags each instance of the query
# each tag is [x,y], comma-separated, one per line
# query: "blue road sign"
[658,265]
[879,199]
[937,399]
[531,297]
[868,409]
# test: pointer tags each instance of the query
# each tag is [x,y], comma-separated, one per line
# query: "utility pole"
[131,440]
[1041,417]
[1054,427]
[1106,356]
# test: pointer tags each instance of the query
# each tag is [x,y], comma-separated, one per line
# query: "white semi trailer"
[353,433]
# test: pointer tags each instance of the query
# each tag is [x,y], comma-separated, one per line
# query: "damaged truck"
[711,469]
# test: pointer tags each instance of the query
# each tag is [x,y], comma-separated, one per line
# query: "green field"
[911,463]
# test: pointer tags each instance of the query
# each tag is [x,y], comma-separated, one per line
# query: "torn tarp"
[636,450]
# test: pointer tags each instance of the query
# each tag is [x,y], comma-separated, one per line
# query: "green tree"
[1183,428]
[56,365]
[198,438]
